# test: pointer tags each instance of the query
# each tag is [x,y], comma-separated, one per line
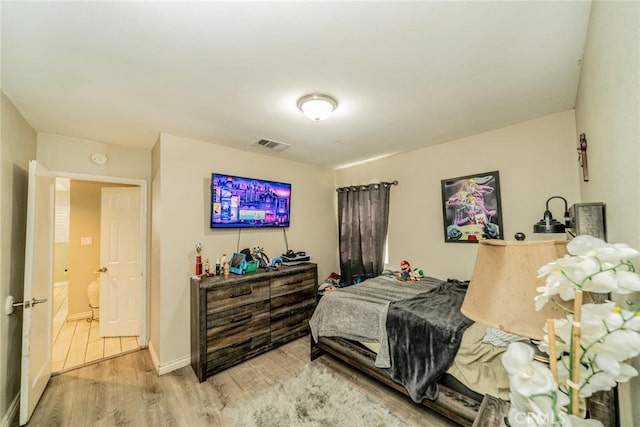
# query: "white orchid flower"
[532,387]
[526,376]
[584,245]
[598,382]
[608,338]
[628,282]
[609,335]
[624,344]
[608,329]
[595,267]
[616,252]
[607,363]
[626,373]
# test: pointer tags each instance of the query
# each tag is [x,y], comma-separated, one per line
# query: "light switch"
[84,241]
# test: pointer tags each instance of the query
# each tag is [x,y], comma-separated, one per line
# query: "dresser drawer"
[229,323]
[230,334]
[236,294]
[292,302]
[292,323]
[237,351]
[293,283]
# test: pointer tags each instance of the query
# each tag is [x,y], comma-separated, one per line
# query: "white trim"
[12,413]
[165,368]
[174,364]
[60,284]
[144,199]
[154,358]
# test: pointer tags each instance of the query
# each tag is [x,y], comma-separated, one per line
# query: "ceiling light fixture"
[317,106]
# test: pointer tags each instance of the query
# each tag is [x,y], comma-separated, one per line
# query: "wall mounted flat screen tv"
[248,202]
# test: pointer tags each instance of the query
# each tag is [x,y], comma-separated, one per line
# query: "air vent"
[271,145]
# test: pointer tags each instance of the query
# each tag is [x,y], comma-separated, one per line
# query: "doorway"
[76,336]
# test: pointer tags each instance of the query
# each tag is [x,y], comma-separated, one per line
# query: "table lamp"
[503,285]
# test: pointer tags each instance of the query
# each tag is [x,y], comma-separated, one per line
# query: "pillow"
[501,338]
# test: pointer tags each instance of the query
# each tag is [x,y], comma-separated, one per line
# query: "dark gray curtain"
[363,220]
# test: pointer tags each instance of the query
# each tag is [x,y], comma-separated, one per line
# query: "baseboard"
[165,368]
[12,413]
[79,316]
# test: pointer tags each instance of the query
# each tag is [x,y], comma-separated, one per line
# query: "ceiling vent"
[272,145]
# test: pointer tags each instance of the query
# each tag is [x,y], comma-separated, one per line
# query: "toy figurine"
[405,271]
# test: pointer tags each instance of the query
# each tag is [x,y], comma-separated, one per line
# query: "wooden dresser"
[238,317]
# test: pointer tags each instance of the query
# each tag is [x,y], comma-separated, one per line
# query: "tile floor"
[78,342]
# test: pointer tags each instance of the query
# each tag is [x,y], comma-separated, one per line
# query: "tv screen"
[248,202]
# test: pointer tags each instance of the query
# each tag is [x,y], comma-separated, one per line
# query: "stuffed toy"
[405,271]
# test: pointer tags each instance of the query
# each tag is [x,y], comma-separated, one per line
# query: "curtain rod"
[365,186]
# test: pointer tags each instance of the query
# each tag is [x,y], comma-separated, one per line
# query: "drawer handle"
[285,315]
[241,319]
[291,323]
[241,295]
[297,282]
[238,344]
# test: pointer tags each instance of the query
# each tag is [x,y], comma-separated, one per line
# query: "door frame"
[142,184]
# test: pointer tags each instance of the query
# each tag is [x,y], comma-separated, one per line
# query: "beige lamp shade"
[503,285]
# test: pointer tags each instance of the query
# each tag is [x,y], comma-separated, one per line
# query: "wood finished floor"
[78,342]
[126,391]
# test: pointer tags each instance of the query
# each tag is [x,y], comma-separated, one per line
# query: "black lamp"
[550,225]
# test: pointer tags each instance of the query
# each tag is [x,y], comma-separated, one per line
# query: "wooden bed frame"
[450,403]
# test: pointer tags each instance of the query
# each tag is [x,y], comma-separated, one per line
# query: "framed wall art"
[471,208]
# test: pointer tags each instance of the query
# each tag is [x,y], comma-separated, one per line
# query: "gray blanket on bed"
[424,334]
[359,312]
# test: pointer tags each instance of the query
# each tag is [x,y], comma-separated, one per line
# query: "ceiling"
[405,74]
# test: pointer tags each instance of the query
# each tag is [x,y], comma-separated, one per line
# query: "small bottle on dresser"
[217,271]
[225,265]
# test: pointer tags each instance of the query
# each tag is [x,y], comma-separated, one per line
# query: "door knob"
[102,270]
[27,304]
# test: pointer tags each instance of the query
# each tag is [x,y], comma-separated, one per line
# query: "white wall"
[535,159]
[608,112]
[66,154]
[185,167]
[17,147]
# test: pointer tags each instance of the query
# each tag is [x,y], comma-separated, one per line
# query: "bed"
[412,336]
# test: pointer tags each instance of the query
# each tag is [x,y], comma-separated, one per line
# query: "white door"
[121,277]
[38,289]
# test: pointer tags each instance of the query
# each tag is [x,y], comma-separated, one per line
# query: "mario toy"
[405,271]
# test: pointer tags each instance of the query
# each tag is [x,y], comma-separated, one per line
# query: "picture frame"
[471,208]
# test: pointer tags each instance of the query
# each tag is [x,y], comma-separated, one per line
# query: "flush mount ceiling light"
[317,106]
